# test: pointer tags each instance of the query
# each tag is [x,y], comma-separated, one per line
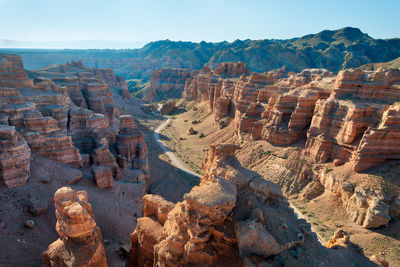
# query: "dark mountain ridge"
[334,50]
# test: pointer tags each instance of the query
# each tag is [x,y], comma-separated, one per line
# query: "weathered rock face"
[45,139]
[12,73]
[132,148]
[232,69]
[65,113]
[102,156]
[364,206]
[113,81]
[350,123]
[87,129]
[14,157]
[383,138]
[80,242]
[166,83]
[349,117]
[228,219]
[168,107]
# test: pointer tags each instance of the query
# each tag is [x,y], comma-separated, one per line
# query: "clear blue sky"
[129,22]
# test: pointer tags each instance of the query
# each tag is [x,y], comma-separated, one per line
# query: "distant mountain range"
[333,50]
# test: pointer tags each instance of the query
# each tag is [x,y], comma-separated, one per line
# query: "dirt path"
[174,159]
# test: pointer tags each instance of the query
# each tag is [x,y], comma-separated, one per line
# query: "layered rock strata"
[166,82]
[350,117]
[66,113]
[80,242]
[360,111]
[233,217]
[114,82]
[168,107]
[15,157]
[132,149]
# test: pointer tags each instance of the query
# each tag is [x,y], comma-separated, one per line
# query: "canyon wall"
[233,217]
[342,118]
[351,119]
[166,83]
[66,113]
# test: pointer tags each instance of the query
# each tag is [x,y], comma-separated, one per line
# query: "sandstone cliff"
[233,217]
[65,113]
[166,83]
[114,82]
[343,117]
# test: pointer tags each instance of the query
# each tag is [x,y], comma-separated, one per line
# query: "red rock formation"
[45,139]
[168,107]
[12,73]
[231,216]
[131,147]
[102,156]
[113,81]
[80,242]
[97,94]
[380,143]
[166,82]
[196,86]
[87,129]
[14,157]
[340,119]
[354,110]
[103,176]
[231,69]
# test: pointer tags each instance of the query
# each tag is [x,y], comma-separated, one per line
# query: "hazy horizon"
[122,24]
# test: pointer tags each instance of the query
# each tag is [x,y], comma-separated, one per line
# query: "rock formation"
[342,118]
[166,83]
[80,242]
[114,82]
[233,217]
[14,157]
[12,73]
[231,69]
[168,107]
[65,113]
[352,117]
[132,149]
[348,123]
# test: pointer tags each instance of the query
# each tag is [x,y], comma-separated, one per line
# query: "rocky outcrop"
[232,69]
[80,242]
[166,83]
[87,129]
[351,117]
[383,138]
[66,113]
[97,94]
[114,82]
[364,206]
[349,123]
[14,157]
[102,156]
[230,218]
[168,107]
[45,139]
[12,73]
[132,149]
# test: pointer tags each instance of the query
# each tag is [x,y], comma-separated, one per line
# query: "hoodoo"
[80,242]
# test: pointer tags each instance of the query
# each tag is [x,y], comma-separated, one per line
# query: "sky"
[132,23]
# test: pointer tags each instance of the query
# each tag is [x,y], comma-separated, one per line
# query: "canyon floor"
[324,212]
[23,246]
